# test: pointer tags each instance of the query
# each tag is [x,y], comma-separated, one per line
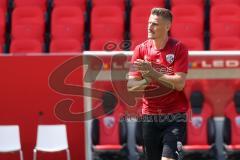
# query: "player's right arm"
[135,84]
[135,80]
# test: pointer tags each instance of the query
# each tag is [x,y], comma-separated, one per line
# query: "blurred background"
[58,60]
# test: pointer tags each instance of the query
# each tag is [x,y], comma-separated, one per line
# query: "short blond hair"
[163,12]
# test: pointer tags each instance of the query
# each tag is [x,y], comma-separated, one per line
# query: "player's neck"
[160,43]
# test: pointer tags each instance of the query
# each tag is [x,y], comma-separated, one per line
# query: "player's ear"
[168,26]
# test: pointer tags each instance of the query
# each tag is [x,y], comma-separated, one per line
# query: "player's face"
[157,27]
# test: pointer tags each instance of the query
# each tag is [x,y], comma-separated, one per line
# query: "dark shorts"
[161,134]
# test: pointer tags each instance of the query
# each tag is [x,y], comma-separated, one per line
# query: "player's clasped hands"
[143,66]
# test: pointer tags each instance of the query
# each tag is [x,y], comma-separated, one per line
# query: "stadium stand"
[2,28]
[117,3]
[109,132]
[186,2]
[107,22]
[231,128]
[4,5]
[91,18]
[224,11]
[200,135]
[66,26]
[105,44]
[135,42]
[30,3]
[139,19]
[226,28]
[193,43]
[188,20]
[189,13]
[192,28]
[70,3]
[139,16]
[67,22]
[225,43]
[26,46]
[224,22]
[139,22]
[111,17]
[217,2]
[28,22]
[153,3]
[65,46]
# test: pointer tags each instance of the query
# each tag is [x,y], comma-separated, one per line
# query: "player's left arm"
[177,81]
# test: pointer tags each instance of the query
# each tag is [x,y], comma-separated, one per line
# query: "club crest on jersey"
[170,58]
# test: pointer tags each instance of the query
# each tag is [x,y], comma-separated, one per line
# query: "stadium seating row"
[63,23]
[199,139]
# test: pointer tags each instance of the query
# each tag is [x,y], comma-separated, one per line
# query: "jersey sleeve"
[136,55]
[181,61]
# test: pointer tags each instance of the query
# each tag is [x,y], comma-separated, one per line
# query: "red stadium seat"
[109,132]
[192,43]
[225,21]
[187,2]
[217,2]
[188,13]
[137,41]
[65,46]
[200,135]
[26,46]
[231,128]
[107,22]
[119,3]
[22,31]
[139,21]
[190,29]
[70,3]
[2,26]
[188,22]
[153,3]
[225,43]
[195,85]
[31,3]
[224,12]
[105,44]
[225,29]
[67,22]
[139,30]
[4,5]
[28,22]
